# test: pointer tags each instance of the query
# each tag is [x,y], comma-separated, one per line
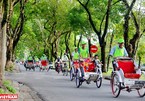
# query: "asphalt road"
[56,87]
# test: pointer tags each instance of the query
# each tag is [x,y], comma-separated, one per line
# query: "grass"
[142,77]
[107,73]
[7,87]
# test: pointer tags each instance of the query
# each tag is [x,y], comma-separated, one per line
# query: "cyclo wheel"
[115,85]
[71,75]
[141,92]
[78,82]
[99,79]
[99,82]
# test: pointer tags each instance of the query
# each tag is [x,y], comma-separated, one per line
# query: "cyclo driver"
[75,57]
[120,51]
[84,54]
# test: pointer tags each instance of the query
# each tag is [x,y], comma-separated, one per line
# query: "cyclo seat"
[44,62]
[89,66]
[128,67]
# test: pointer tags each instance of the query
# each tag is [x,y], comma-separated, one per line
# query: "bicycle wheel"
[71,75]
[141,92]
[115,85]
[99,82]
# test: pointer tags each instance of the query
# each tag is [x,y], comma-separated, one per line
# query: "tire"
[71,75]
[141,92]
[115,85]
[58,69]
[99,82]
[78,82]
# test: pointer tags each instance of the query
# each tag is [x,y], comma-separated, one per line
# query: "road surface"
[56,87]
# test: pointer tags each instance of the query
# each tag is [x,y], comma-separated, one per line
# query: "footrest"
[91,76]
[140,82]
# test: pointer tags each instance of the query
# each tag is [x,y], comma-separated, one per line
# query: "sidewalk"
[24,92]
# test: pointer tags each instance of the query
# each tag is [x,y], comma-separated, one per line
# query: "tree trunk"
[75,40]
[80,40]
[139,63]
[103,54]
[9,54]
[130,45]
[2,46]
[67,38]
[14,34]
[89,43]
[108,60]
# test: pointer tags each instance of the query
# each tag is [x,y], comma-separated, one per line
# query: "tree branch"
[107,19]
[116,2]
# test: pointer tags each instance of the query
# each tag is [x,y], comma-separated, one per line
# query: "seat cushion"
[132,75]
[44,63]
[126,65]
[128,68]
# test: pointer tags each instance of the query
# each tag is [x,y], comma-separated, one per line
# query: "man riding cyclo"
[119,51]
[29,62]
[30,59]
[84,56]
[75,58]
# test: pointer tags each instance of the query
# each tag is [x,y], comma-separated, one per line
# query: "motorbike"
[58,67]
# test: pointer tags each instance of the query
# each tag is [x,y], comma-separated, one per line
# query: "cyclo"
[44,65]
[125,77]
[29,64]
[91,72]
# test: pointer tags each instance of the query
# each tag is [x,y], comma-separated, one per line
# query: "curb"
[26,93]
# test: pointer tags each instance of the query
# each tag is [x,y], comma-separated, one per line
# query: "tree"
[14,30]
[101,34]
[3,17]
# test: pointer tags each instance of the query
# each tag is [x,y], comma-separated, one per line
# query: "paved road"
[55,87]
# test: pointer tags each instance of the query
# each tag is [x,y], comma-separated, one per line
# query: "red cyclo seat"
[44,63]
[90,67]
[128,68]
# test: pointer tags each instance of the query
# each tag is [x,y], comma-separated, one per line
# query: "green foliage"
[45,17]
[2,91]
[8,85]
